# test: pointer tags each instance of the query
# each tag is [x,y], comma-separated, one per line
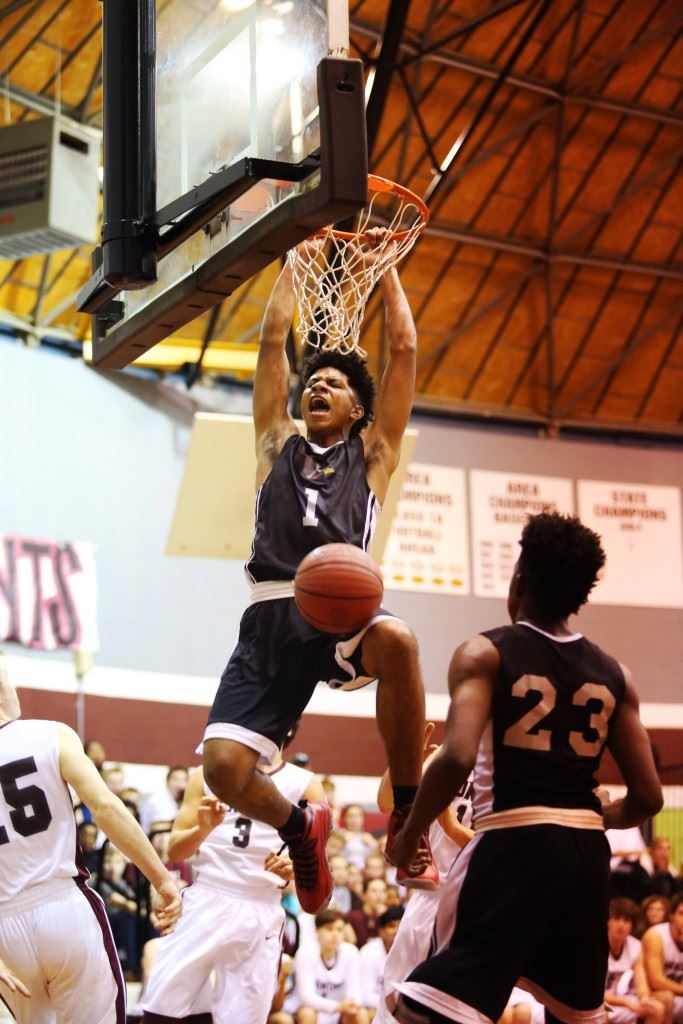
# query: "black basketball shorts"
[274,669]
[526,903]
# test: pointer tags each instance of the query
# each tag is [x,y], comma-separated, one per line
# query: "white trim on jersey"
[482,801]
[552,636]
[271,590]
[372,514]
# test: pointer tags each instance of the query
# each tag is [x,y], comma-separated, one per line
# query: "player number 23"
[529,732]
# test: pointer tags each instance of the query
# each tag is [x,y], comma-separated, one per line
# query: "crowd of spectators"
[333,963]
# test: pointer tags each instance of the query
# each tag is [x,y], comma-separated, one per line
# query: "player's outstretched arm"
[397,387]
[197,817]
[116,821]
[272,422]
[629,745]
[471,676]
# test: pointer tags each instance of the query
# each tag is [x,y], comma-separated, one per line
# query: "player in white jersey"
[54,933]
[627,994]
[373,957]
[232,917]
[447,835]
[663,957]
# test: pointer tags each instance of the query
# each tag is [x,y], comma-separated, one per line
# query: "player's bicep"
[78,771]
[471,675]
[630,746]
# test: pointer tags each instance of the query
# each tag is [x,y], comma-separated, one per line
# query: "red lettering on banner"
[40,605]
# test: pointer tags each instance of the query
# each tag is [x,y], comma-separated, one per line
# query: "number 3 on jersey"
[521,733]
[30,812]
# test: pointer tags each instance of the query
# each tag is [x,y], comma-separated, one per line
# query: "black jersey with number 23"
[549,722]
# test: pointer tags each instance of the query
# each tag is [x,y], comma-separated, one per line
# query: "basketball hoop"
[335,271]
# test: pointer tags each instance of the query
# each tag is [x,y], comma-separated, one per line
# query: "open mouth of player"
[319,405]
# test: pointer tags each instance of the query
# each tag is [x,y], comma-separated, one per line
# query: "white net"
[335,271]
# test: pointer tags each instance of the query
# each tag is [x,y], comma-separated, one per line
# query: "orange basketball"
[338,588]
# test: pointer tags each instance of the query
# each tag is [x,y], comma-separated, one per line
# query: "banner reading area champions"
[48,594]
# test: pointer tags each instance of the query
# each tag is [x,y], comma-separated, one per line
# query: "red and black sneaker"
[312,876]
[428,877]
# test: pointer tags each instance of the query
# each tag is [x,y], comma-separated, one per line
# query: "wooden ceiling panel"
[613,179]
[665,403]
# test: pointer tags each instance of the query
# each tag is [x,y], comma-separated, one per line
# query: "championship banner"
[499,506]
[427,546]
[640,527]
[48,594]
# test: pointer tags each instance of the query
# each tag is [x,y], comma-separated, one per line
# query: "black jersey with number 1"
[554,699]
[312,496]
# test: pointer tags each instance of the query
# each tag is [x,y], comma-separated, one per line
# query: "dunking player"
[232,914]
[54,933]
[327,487]
[534,704]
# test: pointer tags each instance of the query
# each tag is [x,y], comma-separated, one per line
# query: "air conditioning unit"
[49,187]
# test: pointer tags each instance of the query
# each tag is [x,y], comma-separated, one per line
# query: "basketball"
[338,588]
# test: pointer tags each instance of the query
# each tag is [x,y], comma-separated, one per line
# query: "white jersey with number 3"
[37,825]
[248,842]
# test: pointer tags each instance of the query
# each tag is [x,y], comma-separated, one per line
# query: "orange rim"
[377,184]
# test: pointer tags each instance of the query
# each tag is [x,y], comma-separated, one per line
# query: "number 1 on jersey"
[310,518]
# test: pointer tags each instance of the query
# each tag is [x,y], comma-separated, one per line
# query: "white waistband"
[258,893]
[516,817]
[271,590]
[38,894]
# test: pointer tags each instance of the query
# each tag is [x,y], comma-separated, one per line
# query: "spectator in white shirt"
[373,957]
[164,805]
[327,976]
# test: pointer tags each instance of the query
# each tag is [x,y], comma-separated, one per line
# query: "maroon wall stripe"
[150,732]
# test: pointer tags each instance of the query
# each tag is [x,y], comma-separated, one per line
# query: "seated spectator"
[655,910]
[373,957]
[663,880]
[131,798]
[364,921]
[628,877]
[277,1014]
[327,976]
[355,882]
[357,842]
[164,805]
[627,993]
[87,837]
[335,844]
[114,777]
[375,867]
[330,788]
[394,898]
[96,752]
[342,897]
[122,907]
[663,958]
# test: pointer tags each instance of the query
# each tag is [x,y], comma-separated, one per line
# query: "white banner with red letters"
[48,594]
